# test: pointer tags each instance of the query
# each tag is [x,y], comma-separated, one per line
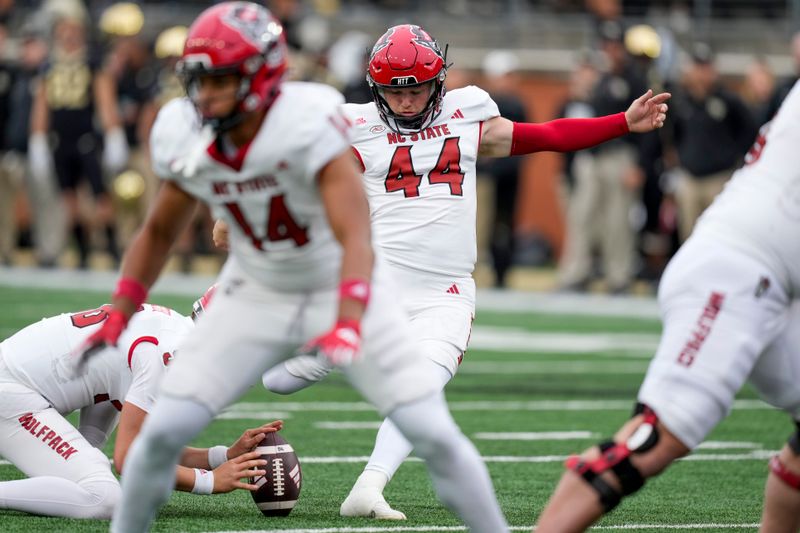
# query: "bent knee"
[105,496]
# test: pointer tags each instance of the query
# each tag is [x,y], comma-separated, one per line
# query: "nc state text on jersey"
[237,187]
[428,133]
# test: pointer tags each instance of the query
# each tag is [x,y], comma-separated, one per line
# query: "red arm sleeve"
[566,134]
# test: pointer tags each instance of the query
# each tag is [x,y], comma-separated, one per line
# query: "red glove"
[107,335]
[341,345]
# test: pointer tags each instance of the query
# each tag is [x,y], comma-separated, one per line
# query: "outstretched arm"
[502,138]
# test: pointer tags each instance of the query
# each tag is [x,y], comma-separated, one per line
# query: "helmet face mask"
[240,38]
[201,304]
[405,57]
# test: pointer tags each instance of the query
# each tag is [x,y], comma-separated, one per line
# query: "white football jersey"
[39,357]
[421,186]
[759,209]
[268,193]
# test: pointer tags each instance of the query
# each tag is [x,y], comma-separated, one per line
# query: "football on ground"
[279,489]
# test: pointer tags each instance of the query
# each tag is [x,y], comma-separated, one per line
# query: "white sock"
[56,496]
[459,475]
[391,447]
[372,479]
[148,476]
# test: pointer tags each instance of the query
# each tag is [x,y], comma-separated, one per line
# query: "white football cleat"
[368,502]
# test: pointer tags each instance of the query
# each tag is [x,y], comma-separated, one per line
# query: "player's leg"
[104,207]
[595,481]
[441,310]
[459,476]
[97,422]
[782,493]
[711,319]
[390,375]
[296,374]
[775,377]
[149,475]
[67,476]
[391,449]
[215,366]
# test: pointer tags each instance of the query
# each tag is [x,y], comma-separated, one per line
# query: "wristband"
[354,289]
[349,323]
[131,289]
[217,455]
[203,481]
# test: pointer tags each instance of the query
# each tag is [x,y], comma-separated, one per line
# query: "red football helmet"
[200,305]
[407,56]
[236,38]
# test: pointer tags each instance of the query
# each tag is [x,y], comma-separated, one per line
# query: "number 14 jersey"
[421,185]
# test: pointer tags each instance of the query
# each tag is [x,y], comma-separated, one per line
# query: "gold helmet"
[169,42]
[643,40]
[123,19]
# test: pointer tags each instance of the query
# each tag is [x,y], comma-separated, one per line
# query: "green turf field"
[502,395]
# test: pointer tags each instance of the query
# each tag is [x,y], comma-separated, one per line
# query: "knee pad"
[615,457]
[778,468]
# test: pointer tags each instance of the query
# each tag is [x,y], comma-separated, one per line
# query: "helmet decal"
[251,22]
[423,39]
[241,38]
[382,43]
[407,56]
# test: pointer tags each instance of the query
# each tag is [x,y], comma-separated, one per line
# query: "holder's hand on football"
[340,346]
[228,476]
[251,437]
[107,335]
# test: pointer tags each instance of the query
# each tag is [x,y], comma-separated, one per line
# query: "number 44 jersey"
[39,355]
[421,185]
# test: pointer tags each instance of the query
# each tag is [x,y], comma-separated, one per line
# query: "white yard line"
[515,368]
[259,409]
[347,425]
[536,435]
[501,339]
[402,529]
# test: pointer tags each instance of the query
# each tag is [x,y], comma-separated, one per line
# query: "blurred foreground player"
[68,473]
[418,146]
[273,160]
[729,301]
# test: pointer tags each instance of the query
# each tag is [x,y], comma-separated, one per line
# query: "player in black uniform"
[73,88]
